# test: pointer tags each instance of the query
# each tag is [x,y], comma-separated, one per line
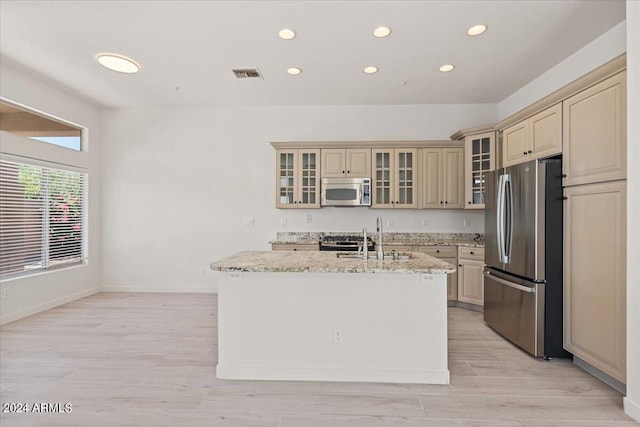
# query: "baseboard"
[632,409]
[466,305]
[270,373]
[11,317]
[605,378]
[161,289]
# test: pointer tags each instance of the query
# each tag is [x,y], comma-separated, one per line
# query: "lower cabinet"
[595,275]
[447,254]
[452,281]
[470,277]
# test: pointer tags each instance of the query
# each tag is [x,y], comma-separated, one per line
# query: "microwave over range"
[345,192]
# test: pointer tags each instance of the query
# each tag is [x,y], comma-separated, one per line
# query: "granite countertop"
[328,262]
[389,239]
[470,243]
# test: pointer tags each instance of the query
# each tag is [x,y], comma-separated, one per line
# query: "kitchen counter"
[388,239]
[328,262]
[313,316]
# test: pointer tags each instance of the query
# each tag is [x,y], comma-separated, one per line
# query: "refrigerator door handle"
[500,218]
[507,195]
[511,285]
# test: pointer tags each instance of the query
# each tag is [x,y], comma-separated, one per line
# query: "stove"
[344,243]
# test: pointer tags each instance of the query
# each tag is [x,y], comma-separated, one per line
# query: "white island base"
[333,327]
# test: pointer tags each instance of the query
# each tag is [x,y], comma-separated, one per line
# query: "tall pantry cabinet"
[594,166]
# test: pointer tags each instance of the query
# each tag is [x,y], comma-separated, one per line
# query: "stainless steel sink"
[387,256]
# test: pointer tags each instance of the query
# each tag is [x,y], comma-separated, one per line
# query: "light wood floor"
[149,360]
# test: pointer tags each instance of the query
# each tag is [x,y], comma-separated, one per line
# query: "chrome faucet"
[379,251]
[365,248]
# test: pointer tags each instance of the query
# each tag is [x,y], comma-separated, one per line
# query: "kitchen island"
[325,317]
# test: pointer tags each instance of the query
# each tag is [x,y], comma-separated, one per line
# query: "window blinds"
[42,217]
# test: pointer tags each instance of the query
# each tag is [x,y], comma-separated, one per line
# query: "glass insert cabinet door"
[479,152]
[382,176]
[406,178]
[297,180]
[394,178]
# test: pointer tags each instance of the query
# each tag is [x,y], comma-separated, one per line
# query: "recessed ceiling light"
[446,68]
[294,71]
[476,30]
[382,32]
[370,69]
[286,34]
[119,63]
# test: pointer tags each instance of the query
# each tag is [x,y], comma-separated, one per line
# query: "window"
[42,217]
[35,126]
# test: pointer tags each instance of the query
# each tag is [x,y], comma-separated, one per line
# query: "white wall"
[36,293]
[632,401]
[603,49]
[178,181]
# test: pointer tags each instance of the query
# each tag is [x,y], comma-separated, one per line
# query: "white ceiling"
[194,45]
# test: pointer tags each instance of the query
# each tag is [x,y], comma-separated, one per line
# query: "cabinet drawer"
[439,251]
[281,247]
[471,253]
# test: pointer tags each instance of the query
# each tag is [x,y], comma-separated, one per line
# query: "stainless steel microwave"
[345,192]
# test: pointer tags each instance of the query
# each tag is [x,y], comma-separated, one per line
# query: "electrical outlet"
[283,222]
[337,336]
[308,218]
[248,222]
[425,223]
[203,271]
[466,222]
[389,223]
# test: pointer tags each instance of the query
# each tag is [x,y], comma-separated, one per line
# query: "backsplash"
[292,236]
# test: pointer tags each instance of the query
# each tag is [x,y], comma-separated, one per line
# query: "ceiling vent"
[247,73]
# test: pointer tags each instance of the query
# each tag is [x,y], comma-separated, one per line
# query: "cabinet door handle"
[295,249]
[342,171]
[437,251]
[446,203]
[471,252]
[469,202]
[529,152]
[459,265]
[441,202]
[525,153]
[348,171]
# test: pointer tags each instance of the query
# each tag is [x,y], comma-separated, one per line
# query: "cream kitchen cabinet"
[470,277]
[441,182]
[297,178]
[394,183]
[595,141]
[595,275]
[479,151]
[447,254]
[346,162]
[537,137]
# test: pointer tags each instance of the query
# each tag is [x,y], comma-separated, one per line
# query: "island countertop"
[328,262]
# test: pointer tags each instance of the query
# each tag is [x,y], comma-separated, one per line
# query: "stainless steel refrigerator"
[523,255]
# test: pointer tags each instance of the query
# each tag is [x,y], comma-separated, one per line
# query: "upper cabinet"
[441,181]
[346,162]
[595,142]
[536,137]
[297,179]
[479,159]
[394,177]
